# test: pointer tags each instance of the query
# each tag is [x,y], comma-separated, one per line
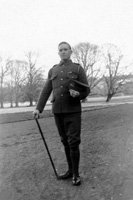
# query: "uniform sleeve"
[82,78]
[45,93]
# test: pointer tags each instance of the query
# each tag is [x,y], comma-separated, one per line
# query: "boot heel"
[76,181]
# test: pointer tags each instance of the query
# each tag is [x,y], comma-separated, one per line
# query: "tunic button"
[61,95]
[62,71]
[61,79]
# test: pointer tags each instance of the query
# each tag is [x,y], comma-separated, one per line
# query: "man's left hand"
[74,93]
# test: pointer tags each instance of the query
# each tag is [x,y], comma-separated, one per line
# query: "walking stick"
[46,147]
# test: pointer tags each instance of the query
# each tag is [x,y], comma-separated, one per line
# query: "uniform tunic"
[58,81]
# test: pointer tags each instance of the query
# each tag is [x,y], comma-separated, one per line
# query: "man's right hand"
[36,114]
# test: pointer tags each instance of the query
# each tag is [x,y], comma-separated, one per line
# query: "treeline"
[107,72]
[20,80]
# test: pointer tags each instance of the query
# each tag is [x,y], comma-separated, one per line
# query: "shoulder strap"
[54,65]
[78,68]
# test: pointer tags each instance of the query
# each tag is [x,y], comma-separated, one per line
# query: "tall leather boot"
[68,157]
[69,173]
[75,156]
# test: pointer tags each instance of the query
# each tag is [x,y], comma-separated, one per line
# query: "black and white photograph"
[66,100]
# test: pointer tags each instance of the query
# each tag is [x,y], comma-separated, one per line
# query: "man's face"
[64,52]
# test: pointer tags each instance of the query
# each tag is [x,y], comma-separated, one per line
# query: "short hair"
[65,43]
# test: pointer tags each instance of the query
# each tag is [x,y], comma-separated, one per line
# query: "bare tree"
[16,80]
[87,55]
[34,78]
[116,73]
[4,69]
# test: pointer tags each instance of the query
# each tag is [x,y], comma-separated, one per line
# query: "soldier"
[68,82]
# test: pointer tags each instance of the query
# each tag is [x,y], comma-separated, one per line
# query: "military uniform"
[66,109]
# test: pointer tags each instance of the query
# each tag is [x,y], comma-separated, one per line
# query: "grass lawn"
[106,157]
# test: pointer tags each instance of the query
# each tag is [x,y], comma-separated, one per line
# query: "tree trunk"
[11,104]
[31,102]
[2,106]
[11,100]
[1,98]
[16,103]
[109,96]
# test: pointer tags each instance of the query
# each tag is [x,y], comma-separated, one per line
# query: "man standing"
[69,84]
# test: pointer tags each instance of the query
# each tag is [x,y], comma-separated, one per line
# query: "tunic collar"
[66,62]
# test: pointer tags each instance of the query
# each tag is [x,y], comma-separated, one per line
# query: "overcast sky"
[39,25]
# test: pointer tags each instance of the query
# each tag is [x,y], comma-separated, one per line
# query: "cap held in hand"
[77,85]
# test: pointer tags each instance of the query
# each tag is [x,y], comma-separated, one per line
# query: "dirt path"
[106,165]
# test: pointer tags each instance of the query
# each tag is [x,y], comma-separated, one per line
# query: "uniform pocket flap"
[53,76]
[72,75]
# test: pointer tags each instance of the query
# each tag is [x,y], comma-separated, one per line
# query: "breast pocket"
[72,75]
[53,76]
[54,79]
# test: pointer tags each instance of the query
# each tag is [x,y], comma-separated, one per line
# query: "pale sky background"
[40,25]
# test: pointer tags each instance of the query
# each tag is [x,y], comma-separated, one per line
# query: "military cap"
[77,85]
